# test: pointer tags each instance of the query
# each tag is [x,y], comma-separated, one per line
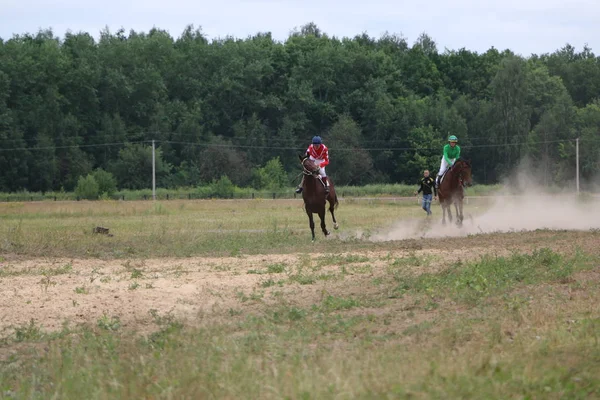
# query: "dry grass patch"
[525,325]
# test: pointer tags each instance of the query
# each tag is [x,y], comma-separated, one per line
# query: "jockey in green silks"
[451,154]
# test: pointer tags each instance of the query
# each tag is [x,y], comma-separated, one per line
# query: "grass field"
[231,299]
[183,228]
[209,191]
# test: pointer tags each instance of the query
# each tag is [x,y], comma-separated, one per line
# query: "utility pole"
[546,159]
[577,161]
[153,173]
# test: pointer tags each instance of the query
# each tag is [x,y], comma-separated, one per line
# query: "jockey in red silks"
[319,153]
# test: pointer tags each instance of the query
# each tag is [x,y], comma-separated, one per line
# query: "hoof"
[326,233]
[335,226]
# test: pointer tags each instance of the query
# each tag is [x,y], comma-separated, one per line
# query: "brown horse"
[451,189]
[315,197]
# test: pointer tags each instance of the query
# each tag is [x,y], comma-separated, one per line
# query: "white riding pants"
[444,166]
[321,169]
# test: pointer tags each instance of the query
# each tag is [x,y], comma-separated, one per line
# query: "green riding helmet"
[453,138]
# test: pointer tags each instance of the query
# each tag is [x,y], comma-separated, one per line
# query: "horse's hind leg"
[449,212]
[331,208]
[457,213]
[311,223]
[322,217]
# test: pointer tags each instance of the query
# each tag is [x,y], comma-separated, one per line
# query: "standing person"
[319,153]
[427,184]
[451,154]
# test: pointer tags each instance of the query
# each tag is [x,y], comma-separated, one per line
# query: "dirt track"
[52,291]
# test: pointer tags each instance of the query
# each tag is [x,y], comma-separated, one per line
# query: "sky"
[523,26]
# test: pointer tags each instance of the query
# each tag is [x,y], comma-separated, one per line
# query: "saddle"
[444,175]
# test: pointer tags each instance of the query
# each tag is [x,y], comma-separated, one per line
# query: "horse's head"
[463,169]
[309,167]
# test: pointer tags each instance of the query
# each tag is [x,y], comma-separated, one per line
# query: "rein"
[314,173]
[306,171]
[460,177]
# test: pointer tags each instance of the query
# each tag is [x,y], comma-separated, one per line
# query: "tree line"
[243,109]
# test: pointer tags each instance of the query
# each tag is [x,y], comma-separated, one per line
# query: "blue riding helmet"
[317,140]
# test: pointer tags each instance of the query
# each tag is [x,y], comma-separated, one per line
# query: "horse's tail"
[333,199]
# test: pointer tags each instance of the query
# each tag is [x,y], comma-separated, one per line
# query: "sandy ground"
[193,288]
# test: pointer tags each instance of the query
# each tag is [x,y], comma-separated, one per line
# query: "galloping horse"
[315,197]
[451,189]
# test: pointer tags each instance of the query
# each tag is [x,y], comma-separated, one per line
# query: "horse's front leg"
[322,216]
[450,212]
[311,223]
[443,215]
[459,212]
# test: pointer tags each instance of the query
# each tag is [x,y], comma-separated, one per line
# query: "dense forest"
[245,108]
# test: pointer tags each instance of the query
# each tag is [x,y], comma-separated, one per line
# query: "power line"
[75,146]
[300,147]
[153,135]
[283,139]
[367,149]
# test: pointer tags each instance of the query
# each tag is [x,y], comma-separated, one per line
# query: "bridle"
[461,179]
[306,171]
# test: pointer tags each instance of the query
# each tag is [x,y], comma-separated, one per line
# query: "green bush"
[223,188]
[270,177]
[107,184]
[87,188]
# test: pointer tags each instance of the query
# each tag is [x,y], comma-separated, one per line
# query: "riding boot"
[299,187]
[326,184]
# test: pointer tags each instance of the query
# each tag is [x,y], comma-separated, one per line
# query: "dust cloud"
[522,205]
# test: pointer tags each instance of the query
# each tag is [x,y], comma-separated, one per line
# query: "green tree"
[350,165]
[133,168]
[43,168]
[71,105]
[580,72]
[510,114]
[221,158]
[428,146]
[588,129]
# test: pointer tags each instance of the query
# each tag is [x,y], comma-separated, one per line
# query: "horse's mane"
[463,160]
